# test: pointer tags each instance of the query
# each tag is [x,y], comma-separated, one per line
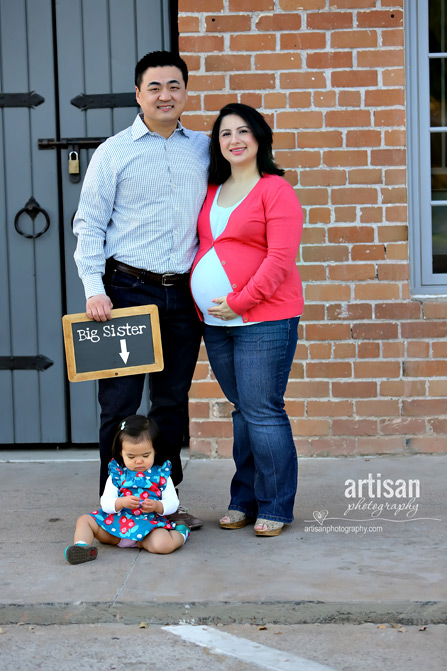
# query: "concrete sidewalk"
[370,563]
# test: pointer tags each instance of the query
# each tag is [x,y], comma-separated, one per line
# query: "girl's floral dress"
[135,524]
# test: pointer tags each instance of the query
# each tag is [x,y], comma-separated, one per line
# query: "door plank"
[19,188]
[124,56]
[52,382]
[6,381]
[69,21]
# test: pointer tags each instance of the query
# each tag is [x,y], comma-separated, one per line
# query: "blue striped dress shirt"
[139,203]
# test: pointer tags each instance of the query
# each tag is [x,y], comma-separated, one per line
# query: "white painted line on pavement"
[222,643]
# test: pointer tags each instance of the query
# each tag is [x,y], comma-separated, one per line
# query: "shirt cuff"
[93,285]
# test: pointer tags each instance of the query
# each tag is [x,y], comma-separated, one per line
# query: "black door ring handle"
[32,209]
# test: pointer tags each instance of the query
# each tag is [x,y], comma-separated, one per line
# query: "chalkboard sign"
[127,344]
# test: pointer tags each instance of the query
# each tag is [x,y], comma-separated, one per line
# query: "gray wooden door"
[60,50]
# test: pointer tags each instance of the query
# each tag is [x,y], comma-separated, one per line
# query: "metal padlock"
[73,163]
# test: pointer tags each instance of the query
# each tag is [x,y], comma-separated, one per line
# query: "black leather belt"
[166,279]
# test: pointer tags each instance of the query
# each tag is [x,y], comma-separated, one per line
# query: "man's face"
[162,96]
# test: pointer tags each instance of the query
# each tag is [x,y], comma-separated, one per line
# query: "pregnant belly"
[209,281]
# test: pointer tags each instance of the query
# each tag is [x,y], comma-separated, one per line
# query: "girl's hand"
[151,506]
[131,502]
[222,310]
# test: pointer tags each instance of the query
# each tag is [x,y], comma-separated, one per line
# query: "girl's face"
[138,456]
[237,142]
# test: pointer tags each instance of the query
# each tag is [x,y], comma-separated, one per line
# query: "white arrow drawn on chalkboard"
[124,354]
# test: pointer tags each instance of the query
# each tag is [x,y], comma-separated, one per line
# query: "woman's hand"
[222,310]
[132,502]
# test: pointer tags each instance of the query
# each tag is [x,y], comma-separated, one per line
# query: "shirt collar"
[139,128]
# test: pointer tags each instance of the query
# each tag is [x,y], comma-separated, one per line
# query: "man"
[136,229]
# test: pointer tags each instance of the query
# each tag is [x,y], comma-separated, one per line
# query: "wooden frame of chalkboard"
[127,344]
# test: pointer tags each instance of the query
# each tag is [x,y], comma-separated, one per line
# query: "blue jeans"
[181,332]
[252,365]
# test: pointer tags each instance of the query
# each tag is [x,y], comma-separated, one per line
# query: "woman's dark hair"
[135,429]
[220,169]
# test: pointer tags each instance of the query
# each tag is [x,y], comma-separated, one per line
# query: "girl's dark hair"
[135,429]
[220,169]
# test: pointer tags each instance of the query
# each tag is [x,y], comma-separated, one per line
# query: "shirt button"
[223,263]
[234,286]
[245,319]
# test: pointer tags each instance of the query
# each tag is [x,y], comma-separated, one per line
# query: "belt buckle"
[165,279]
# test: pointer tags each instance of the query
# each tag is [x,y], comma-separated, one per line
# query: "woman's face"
[237,142]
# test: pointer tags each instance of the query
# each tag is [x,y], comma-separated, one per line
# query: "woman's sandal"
[272,528]
[236,520]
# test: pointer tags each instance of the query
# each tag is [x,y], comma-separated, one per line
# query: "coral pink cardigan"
[258,250]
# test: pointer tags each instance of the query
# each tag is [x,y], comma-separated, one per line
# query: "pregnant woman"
[247,287]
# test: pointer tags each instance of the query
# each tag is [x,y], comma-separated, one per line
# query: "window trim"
[423,281]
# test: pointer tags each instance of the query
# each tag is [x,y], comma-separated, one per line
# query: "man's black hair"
[159,59]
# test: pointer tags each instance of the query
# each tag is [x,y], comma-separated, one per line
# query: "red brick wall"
[370,374]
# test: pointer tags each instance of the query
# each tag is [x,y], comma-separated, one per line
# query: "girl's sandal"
[183,529]
[78,554]
[234,519]
[269,527]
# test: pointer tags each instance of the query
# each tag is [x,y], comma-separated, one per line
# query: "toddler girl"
[136,497]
